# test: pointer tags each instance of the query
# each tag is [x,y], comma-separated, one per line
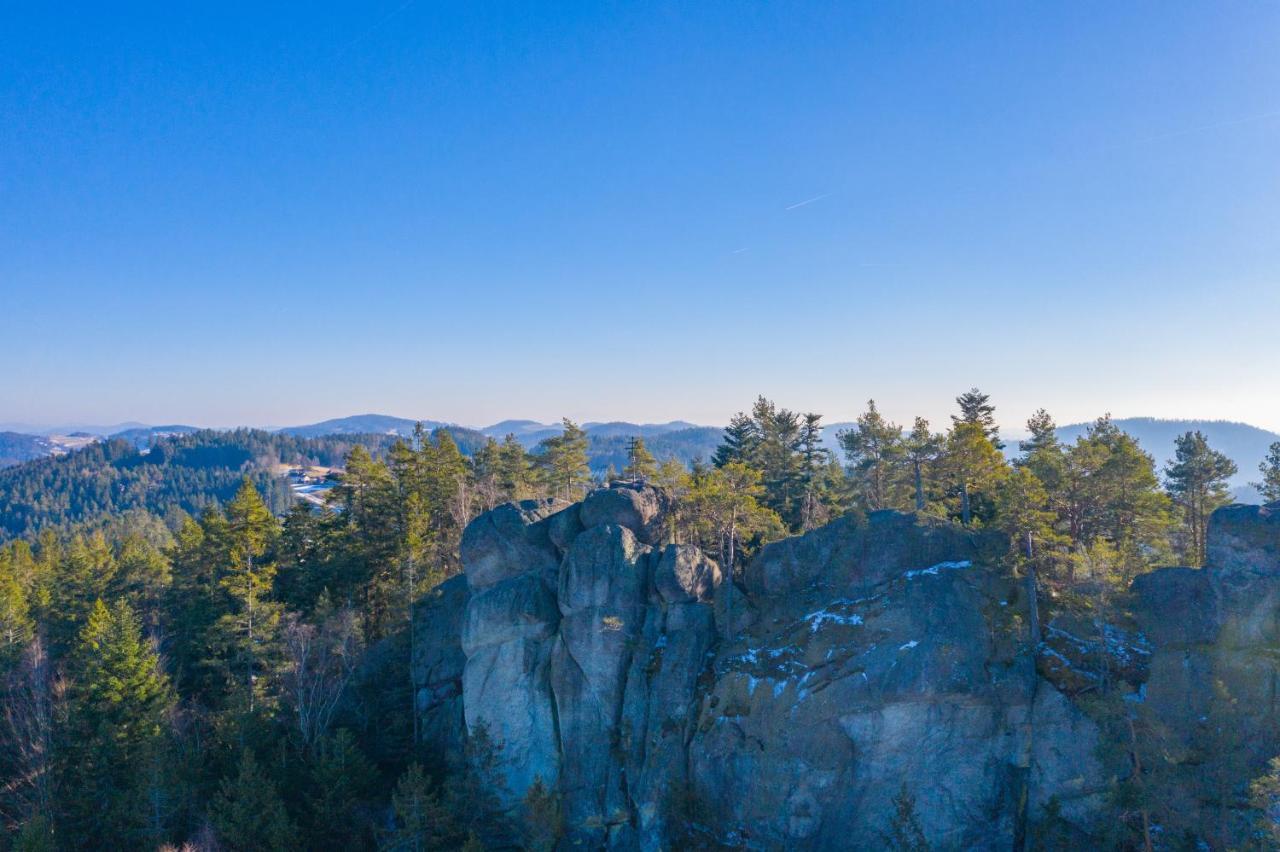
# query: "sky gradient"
[469,211]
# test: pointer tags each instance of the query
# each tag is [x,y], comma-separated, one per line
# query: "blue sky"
[470,211]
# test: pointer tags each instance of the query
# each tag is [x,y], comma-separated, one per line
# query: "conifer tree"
[741,438]
[976,409]
[726,510]
[142,577]
[921,449]
[1197,480]
[1042,453]
[875,452]
[84,575]
[513,470]
[248,632]
[815,464]
[1264,798]
[422,822]
[972,466]
[16,625]
[485,468]
[1269,486]
[120,700]
[248,814]
[340,781]
[194,601]
[563,461]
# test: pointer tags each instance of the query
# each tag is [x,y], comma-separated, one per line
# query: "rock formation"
[873,657]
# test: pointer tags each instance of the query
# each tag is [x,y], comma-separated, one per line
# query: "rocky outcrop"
[873,657]
[1211,705]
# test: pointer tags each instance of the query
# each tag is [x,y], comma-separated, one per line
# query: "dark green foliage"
[562,461]
[248,814]
[340,786]
[189,472]
[116,734]
[421,821]
[260,616]
[976,409]
[1197,480]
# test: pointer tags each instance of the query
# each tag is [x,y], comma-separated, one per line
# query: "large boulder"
[684,574]
[639,508]
[508,541]
[519,608]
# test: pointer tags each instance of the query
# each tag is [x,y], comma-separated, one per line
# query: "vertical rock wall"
[872,658]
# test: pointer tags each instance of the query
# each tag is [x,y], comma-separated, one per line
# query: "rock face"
[875,656]
[1213,692]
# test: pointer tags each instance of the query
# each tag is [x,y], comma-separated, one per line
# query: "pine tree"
[725,510]
[1044,434]
[194,602]
[142,577]
[1104,488]
[641,465]
[514,476]
[1197,481]
[248,814]
[875,452]
[340,781]
[563,461]
[972,466]
[247,635]
[84,574]
[120,700]
[422,822]
[741,438]
[1042,453]
[485,467]
[16,625]
[815,462]
[976,409]
[1270,470]
[921,449]
[475,797]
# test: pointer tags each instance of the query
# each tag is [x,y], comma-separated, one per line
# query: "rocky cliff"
[873,657]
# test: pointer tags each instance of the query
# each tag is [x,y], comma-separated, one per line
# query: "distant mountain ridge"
[1246,445]
[361,424]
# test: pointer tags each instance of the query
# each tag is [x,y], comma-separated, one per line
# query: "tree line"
[237,677]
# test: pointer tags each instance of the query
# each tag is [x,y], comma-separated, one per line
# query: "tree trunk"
[964,504]
[1137,766]
[919,486]
[1033,602]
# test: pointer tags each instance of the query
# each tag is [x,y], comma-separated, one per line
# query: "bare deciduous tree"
[33,695]
[321,661]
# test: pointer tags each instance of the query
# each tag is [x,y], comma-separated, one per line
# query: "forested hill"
[185,472]
[16,448]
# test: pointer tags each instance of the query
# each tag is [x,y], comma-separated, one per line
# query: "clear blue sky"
[469,211]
